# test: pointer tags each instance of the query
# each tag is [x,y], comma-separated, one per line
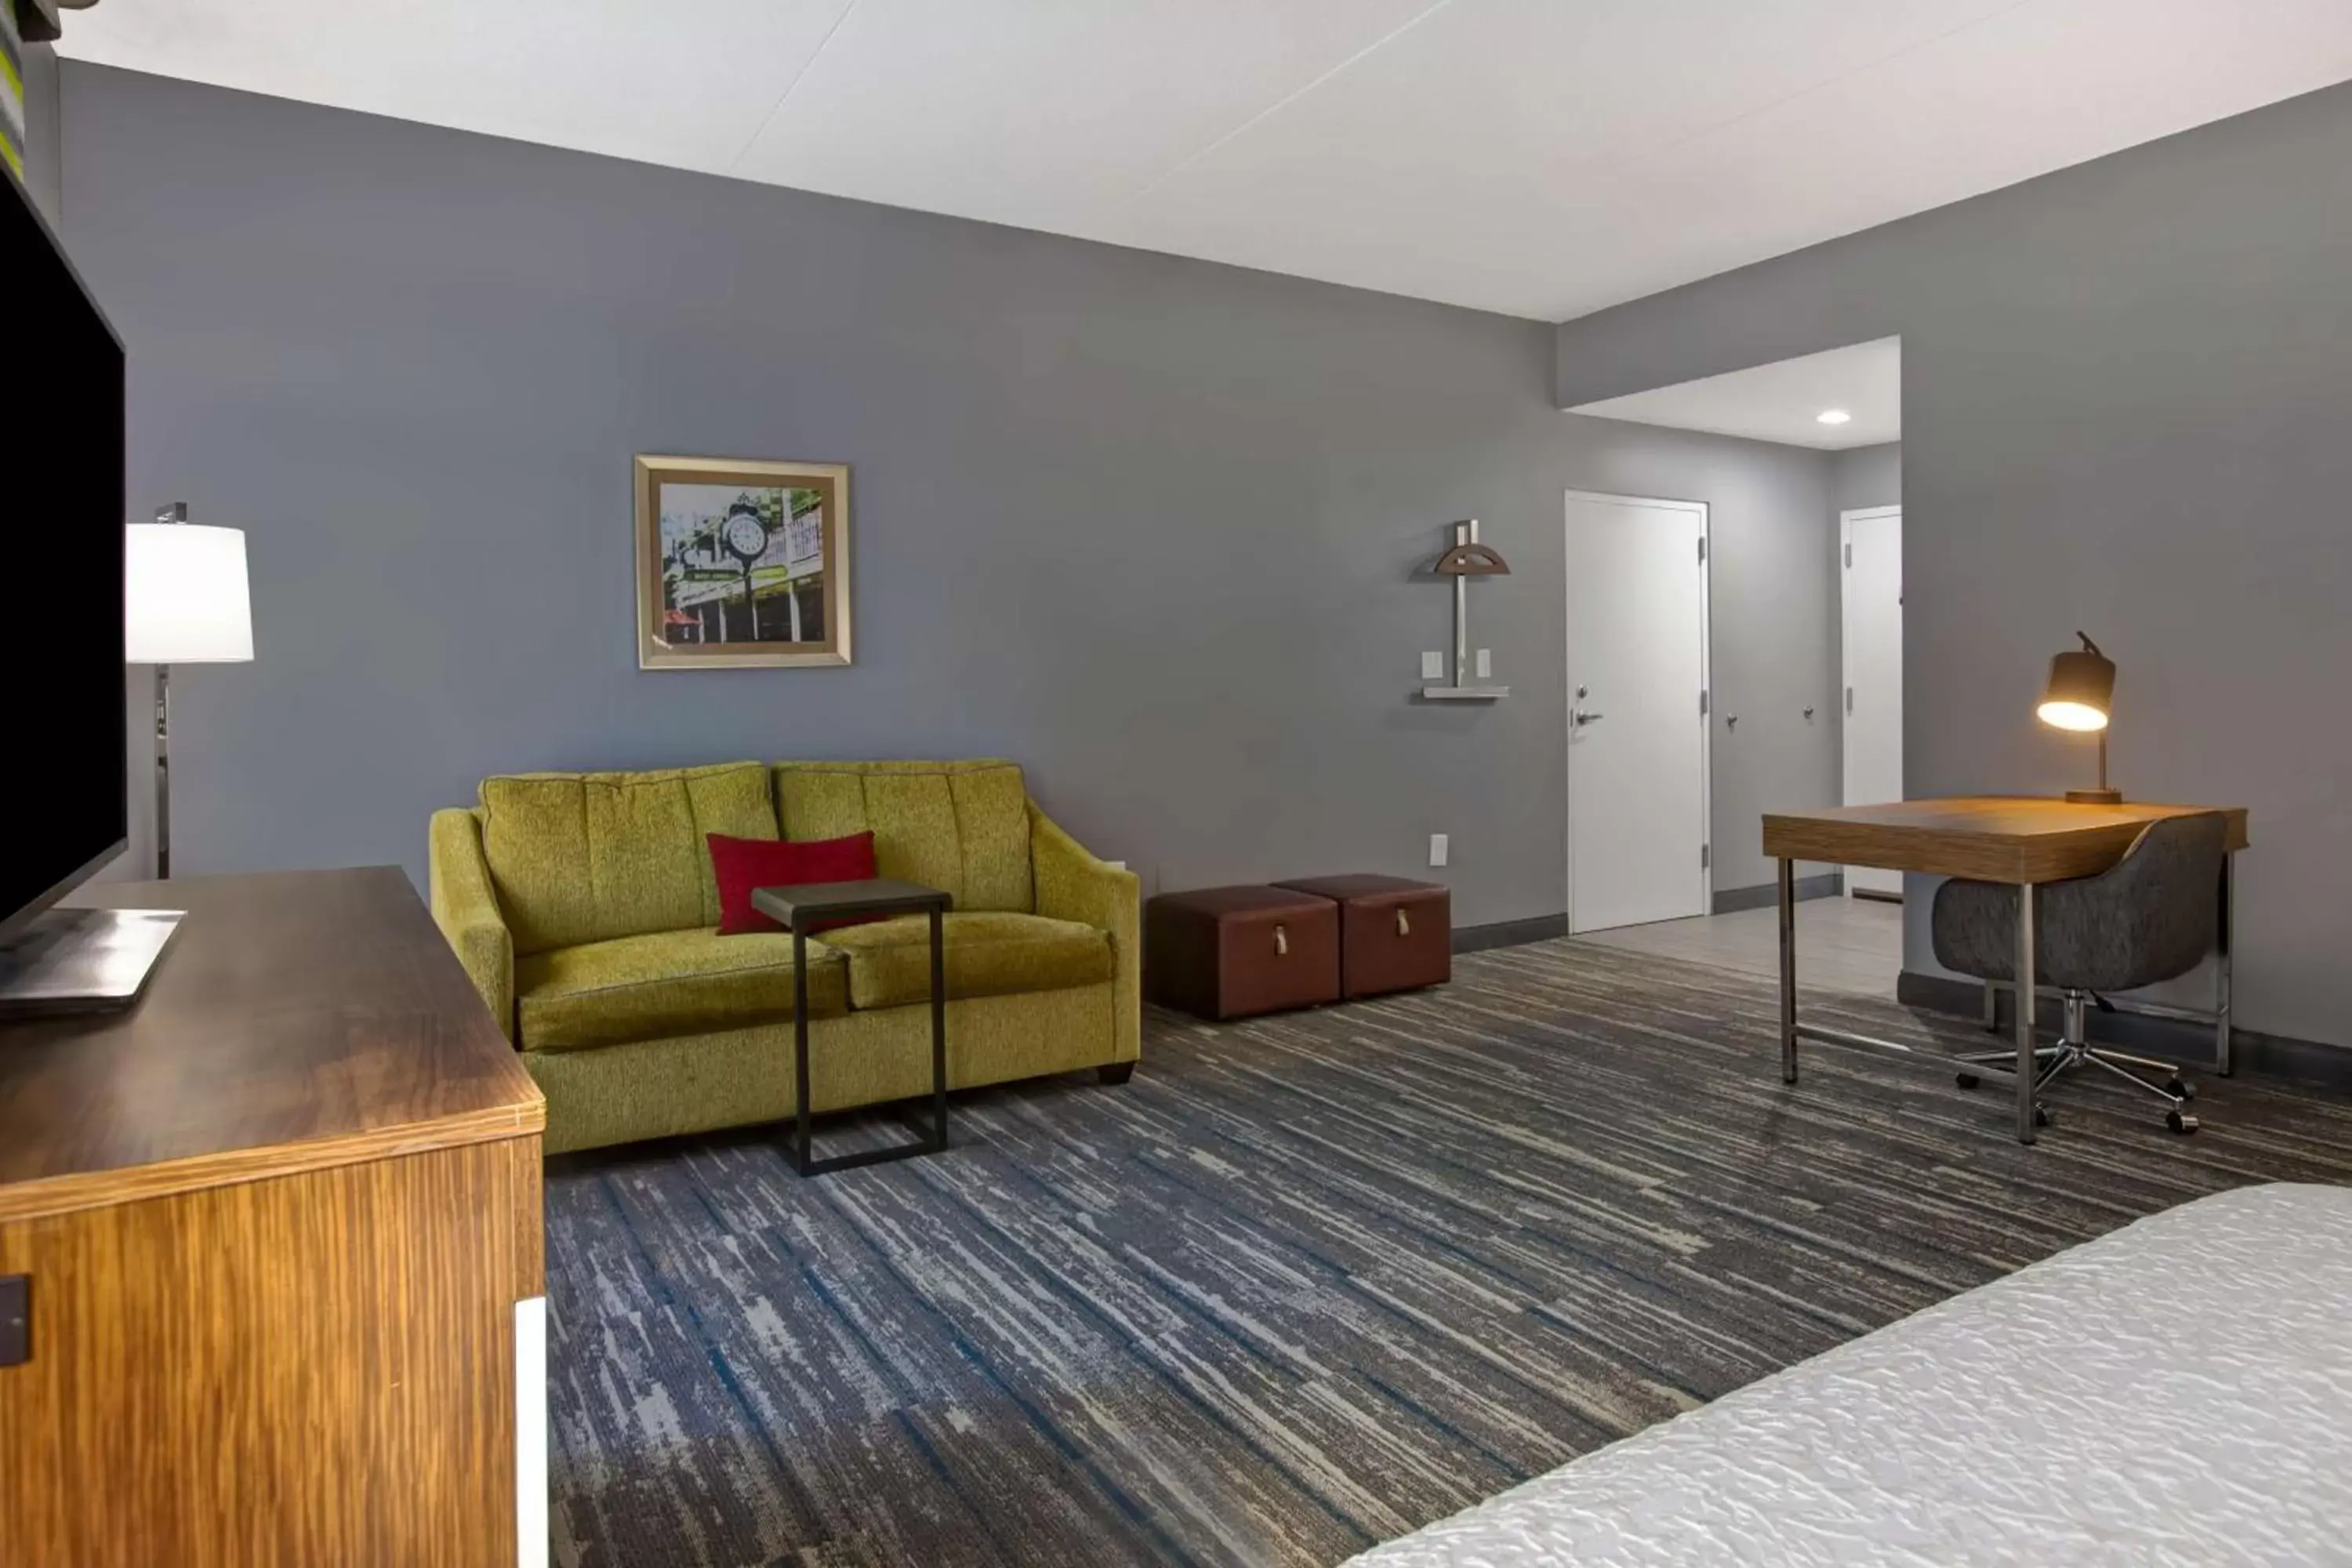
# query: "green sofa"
[584,908]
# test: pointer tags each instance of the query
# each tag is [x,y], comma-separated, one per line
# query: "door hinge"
[1849,699]
[1702,549]
[1702,701]
[1706,858]
[1849,557]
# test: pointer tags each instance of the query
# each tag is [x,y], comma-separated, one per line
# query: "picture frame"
[741,564]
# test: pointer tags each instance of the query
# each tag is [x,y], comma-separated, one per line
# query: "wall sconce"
[1467,559]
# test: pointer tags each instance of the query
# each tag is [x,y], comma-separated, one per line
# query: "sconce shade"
[183,594]
[2081,689]
[1472,561]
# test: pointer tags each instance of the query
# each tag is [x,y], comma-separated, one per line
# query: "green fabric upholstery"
[987,953]
[743,1076]
[588,856]
[1073,885]
[467,909]
[581,906]
[667,982]
[962,827]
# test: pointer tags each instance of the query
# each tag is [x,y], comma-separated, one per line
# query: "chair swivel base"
[2072,1051]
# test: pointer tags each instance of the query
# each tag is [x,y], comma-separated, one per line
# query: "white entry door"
[1872,542]
[1637,729]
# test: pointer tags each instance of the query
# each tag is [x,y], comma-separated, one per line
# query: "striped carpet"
[1307,1282]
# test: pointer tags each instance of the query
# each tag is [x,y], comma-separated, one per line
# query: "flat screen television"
[63,701]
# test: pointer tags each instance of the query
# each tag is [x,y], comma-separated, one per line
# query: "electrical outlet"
[1485,664]
[1432,667]
[1437,848]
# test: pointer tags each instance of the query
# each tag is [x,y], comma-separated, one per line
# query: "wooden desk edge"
[1936,850]
[47,1195]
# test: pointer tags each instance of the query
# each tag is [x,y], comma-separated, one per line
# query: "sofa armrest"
[466,908]
[1073,885]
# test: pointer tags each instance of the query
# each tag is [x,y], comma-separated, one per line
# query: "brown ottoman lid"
[1252,900]
[1360,886]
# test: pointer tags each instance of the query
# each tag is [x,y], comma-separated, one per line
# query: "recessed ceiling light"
[1835,416]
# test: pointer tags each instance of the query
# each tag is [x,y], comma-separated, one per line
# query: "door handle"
[1584,718]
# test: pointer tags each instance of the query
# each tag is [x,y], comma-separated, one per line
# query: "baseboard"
[2169,1040]
[1510,933]
[1730,901]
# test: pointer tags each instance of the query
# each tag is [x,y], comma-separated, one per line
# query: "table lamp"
[185,602]
[2077,696]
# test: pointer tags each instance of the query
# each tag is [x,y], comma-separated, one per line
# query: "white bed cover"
[2177,1391]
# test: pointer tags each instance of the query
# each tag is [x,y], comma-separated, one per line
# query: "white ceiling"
[1783,402]
[1538,157]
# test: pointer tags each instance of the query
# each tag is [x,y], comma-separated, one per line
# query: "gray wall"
[1863,476]
[1151,526]
[2125,396]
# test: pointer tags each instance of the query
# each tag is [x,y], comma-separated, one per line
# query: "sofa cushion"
[581,858]
[667,982]
[988,954]
[962,827]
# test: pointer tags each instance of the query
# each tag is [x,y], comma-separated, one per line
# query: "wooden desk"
[281,1225]
[2022,840]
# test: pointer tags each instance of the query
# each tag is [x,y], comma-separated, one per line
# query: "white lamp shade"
[184,599]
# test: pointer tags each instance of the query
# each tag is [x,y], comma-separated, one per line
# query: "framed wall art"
[741,564]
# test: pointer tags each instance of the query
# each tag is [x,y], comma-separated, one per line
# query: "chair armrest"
[465,907]
[1073,885]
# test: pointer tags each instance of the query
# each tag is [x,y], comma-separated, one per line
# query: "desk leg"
[2025,1012]
[938,1037]
[2223,1064]
[1788,902]
[800,1055]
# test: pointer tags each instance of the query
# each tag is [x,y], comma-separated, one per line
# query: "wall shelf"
[1463,693]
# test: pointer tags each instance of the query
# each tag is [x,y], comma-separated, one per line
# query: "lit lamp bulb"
[2077,696]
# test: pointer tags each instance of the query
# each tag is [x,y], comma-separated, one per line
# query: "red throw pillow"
[740,865]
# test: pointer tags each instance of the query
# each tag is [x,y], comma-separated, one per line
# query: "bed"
[2177,1391]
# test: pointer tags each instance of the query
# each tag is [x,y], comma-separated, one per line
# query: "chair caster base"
[2041,1114]
[1966,1079]
[2181,1087]
[2177,1122]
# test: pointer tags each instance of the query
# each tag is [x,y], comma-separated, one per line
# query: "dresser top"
[298,1020]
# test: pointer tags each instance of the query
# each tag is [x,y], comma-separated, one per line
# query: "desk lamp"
[2077,696]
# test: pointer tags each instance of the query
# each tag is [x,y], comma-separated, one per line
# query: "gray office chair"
[2151,916]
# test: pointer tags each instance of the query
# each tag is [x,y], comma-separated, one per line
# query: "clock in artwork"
[742,562]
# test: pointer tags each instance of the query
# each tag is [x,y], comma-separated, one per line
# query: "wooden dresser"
[279,1230]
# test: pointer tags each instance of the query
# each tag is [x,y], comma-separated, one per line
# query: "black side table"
[794,907]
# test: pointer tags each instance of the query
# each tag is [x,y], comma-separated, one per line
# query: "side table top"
[875,895]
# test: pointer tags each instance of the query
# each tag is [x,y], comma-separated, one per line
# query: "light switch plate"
[1485,664]
[1437,848]
[1432,667]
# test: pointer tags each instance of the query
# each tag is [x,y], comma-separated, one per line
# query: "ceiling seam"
[1703,133]
[1178,167]
[790,88]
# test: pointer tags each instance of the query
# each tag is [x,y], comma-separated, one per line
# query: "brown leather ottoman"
[1230,953]
[1394,934]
